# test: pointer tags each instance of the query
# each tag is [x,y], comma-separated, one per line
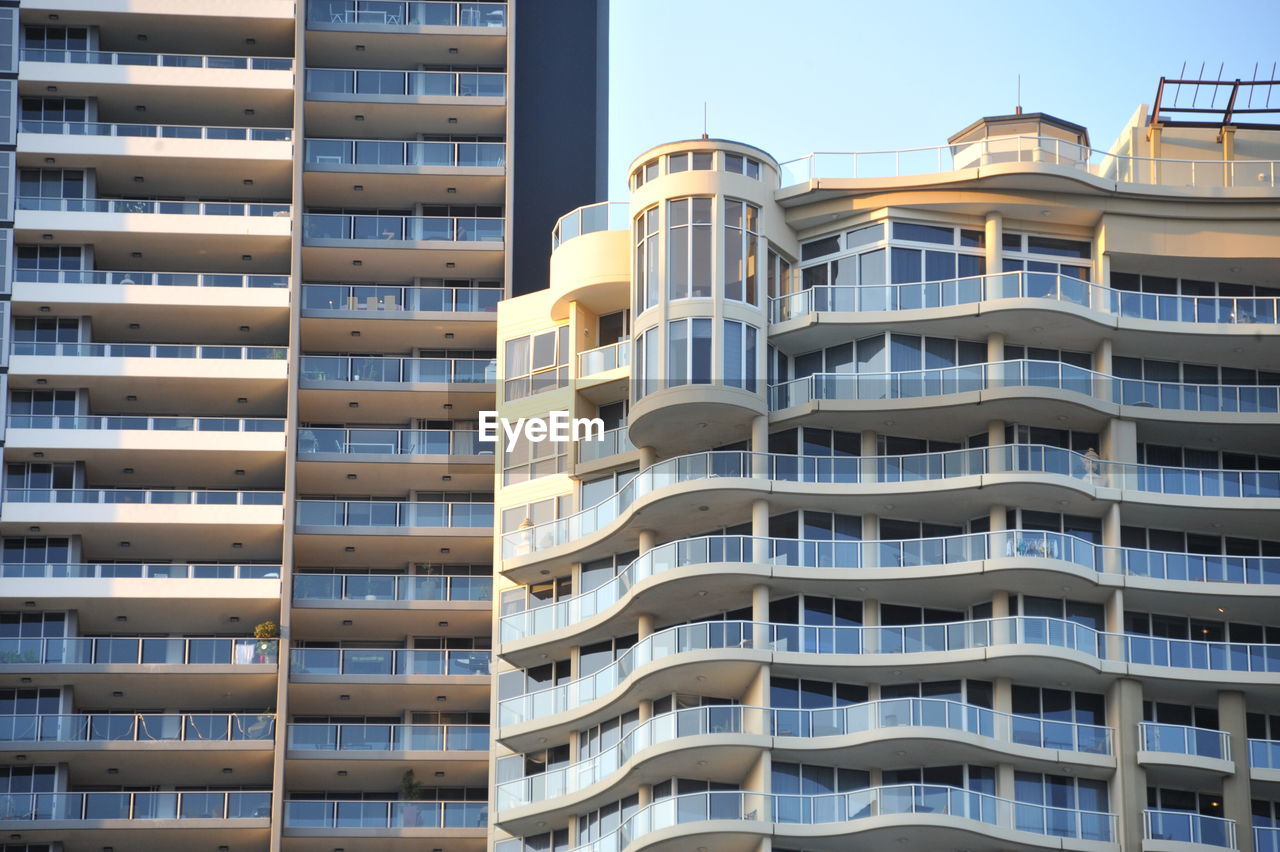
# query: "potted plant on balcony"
[411,790]
[264,650]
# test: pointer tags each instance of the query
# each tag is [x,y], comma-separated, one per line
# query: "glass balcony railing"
[337,226]
[890,554]
[159,60]
[604,358]
[111,650]
[338,815]
[1087,471]
[168,208]
[391,587]
[391,514]
[1264,754]
[156,131]
[1047,150]
[340,368]
[1184,739]
[157,279]
[356,737]
[387,661]
[374,152]
[140,727]
[1189,827]
[1266,838]
[211,804]
[399,13]
[972,378]
[391,300]
[394,442]
[602,216]
[138,570]
[1024,285]
[449,84]
[143,496]
[129,423]
[789,722]
[780,810]
[1025,631]
[612,443]
[152,350]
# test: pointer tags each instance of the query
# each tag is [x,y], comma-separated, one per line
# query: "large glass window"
[689,248]
[536,363]
[646,259]
[646,376]
[689,352]
[740,355]
[741,251]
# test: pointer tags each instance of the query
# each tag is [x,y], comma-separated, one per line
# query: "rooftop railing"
[602,216]
[827,809]
[158,279]
[374,152]
[365,737]
[389,513]
[406,13]
[340,815]
[113,650]
[395,442]
[156,131]
[139,727]
[977,634]
[34,807]
[161,60]
[140,496]
[1185,739]
[1047,286]
[337,226]
[971,378]
[341,368]
[138,570]
[604,358]
[391,587]
[1047,150]
[1091,472]
[387,661]
[1189,827]
[168,208]
[457,84]
[893,553]
[377,299]
[151,350]
[130,423]
[791,722]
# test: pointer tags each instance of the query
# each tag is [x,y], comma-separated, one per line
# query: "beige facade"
[936,506]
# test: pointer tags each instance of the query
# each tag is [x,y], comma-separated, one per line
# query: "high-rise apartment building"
[936,506]
[254,250]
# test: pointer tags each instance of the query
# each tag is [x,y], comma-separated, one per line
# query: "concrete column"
[999,518]
[870,450]
[995,346]
[647,540]
[1154,132]
[760,445]
[644,794]
[1002,630]
[870,541]
[1129,785]
[1114,615]
[644,625]
[1237,801]
[1119,441]
[1228,154]
[994,232]
[995,442]
[760,531]
[1102,384]
[995,376]
[870,618]
[647,457]
[1004,780]
[1111,556]
[760,614]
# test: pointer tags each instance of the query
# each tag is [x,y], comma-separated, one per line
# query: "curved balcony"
[378,15]
[888,560]
[1178,830]
[1051,465]
[873,724]
[589,219]
[1035,154]
[984,382]
[801,645]
[937,817]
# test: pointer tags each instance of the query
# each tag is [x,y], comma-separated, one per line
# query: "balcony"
[376,15]
[354,741]
[1182,830]
[395,456]
[394,315]
[187,812]
[403,103]
[1033,155]
[401,173]
[323,229]
[324,602]
[171,232]
[935,816]
[615,442]
[1201,752]
[154,521]
[379,386]
[593,218]
[382,533]
[386,824]
[377,680]
[185,159]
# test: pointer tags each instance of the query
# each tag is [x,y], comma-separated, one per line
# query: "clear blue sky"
[794,76]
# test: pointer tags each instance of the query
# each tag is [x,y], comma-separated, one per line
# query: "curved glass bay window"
[689,248]
[646,259]
[688,352]
[741,251]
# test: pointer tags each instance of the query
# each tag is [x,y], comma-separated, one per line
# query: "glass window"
[741,251]
[689,248]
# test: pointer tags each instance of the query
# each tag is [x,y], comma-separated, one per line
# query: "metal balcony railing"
[156,131]
[358,737]
[461,229]
[129,423]
[388,301]
[1188,827]
[405,13]
[604,358]
[205,805]
[457,84]
[112,650]
[143,496]
[157,279]
[339,815]
[341,368]
[396,442]
[392,514]
[151,350]
[387,661]
[138,570]
[160,60]
[602,216]
[391,587]
[1185,739]
[167,208]
[139,727]
[376,152]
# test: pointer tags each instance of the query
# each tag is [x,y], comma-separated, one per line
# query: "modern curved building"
[936,506]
